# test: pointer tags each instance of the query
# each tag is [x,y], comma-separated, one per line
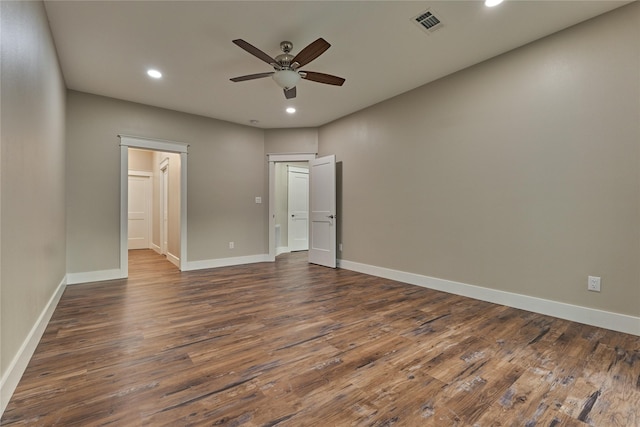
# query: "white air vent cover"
[427,21]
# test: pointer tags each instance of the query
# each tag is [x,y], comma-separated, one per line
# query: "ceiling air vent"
[427,21]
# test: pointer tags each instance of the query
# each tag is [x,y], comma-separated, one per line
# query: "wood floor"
[292,344]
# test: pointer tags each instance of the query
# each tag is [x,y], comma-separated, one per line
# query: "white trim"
[272,159]
[173,259]
[163,205]
[140,173]
[272,211]
[16,368]
[156,248]
[296,169]
[126,142]
[590,316]
[183,211]
[94,276]
[291,157]
[282,250]
[124,214]
[153,144]
[225,262]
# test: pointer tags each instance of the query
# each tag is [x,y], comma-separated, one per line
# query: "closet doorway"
[291,190]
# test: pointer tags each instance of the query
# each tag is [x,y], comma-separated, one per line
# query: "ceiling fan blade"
[322,78]
[310,52]
[251,77]
[255,52]
[290,93]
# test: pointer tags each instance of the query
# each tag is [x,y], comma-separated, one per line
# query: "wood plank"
[295,344]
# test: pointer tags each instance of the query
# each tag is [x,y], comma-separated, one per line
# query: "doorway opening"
[322,206]
[278,199]
[153,184]
[153,203]
[292,207]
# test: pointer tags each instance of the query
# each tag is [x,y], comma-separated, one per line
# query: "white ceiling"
[106,47]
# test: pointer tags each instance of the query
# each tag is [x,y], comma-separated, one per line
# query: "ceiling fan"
[287,73]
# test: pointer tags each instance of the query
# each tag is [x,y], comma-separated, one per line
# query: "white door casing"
[298,208]
[139,210]
[322,211]
[164,207]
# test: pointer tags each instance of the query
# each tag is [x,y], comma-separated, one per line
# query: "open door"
[322,211]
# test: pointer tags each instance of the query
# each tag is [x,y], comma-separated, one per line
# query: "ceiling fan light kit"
[286,79]
[287,74]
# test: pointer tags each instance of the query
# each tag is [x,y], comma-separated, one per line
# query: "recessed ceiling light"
[290,110]
[491,3]
[154,73]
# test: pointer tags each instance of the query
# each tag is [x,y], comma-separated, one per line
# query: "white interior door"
[322,208]
[298,209]
[139,212]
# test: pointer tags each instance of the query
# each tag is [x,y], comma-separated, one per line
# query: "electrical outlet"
[593,284]
[232,245]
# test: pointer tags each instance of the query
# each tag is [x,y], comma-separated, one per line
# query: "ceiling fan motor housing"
[284,60]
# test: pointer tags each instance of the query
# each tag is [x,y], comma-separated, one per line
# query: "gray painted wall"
[519,174]
[300,140]
[225,170]
[32,185]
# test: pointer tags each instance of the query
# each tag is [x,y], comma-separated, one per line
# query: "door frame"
[272,159]
[164,205]
[126,142]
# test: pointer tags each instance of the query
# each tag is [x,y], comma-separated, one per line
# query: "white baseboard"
[282,250]
[173,259]
[95,276]
[590,316]
[16,368]
[98,276]
[225,262]
[156,248]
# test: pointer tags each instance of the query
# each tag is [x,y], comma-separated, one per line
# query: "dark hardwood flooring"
[293,344]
